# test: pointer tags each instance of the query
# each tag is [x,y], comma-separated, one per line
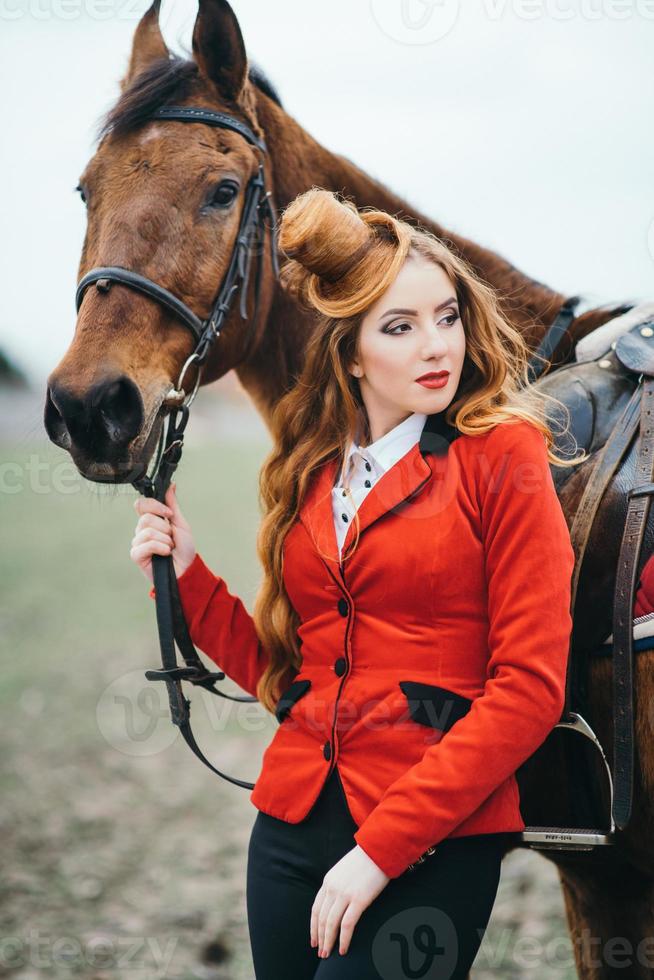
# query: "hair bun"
[338,257]
[323,234]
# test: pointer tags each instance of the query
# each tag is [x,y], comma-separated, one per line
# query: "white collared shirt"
[363,466]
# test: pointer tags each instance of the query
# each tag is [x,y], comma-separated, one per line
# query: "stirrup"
[573,838]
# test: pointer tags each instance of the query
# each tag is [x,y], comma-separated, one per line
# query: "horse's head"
[164,199]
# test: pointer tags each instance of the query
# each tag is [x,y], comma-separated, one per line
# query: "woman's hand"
[160,530]
[347,889]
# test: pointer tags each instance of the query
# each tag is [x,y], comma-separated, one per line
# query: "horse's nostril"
[119,410]
[54,422]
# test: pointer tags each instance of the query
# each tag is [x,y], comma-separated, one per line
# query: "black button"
[343,607]
[327,750]
[345,493]
[340,666]
[368,466]
[344,516]
[367,483]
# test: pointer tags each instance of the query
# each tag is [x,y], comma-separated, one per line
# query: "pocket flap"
[434,706]
[288,698]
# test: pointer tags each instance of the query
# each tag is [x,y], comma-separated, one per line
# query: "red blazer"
[434,662]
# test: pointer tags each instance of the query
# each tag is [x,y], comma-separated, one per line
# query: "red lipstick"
[434,379]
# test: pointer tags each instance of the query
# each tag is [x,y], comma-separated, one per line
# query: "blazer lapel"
[396,485]
[316,510]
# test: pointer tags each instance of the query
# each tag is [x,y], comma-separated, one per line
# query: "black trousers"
[427,923]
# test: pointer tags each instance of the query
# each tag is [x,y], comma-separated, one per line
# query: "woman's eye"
[224,194]
[451,318]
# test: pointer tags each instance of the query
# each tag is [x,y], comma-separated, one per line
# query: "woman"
[417,569]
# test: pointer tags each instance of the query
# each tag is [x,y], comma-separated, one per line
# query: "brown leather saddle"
[607,409]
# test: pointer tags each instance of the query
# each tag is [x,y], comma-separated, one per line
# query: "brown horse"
[163,199]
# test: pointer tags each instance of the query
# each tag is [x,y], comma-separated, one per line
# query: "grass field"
[122,855]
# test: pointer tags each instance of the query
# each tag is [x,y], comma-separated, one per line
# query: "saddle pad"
[599,341]
[643,630]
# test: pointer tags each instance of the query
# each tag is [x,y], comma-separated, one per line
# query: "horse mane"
[166,79]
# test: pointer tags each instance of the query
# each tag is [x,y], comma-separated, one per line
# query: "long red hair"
[339,261]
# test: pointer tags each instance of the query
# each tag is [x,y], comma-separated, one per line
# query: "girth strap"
[630,548]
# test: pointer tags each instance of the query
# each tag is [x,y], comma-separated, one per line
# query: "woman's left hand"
[347,889]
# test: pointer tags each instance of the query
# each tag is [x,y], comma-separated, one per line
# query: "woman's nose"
[435,345]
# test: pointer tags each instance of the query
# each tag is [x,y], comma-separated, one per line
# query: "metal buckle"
[188,400]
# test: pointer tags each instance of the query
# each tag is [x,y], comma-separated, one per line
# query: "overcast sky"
[522,124]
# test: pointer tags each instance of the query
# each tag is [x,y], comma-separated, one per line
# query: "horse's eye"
[224,194]
[81,192]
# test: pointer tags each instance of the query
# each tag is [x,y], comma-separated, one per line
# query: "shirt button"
[327,750]
[367,483]
[345,518]
[340,666]
[368,466]
[343,607]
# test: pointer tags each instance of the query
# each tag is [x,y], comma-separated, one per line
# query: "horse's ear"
[219,49]
[148,44]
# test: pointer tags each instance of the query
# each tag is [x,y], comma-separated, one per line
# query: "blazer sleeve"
[220,625]
[529,561]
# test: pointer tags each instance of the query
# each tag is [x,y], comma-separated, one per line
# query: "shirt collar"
[385,451]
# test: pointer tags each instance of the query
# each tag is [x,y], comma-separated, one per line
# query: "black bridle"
[251,234]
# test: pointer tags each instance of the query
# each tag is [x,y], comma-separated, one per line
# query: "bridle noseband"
[251,232]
